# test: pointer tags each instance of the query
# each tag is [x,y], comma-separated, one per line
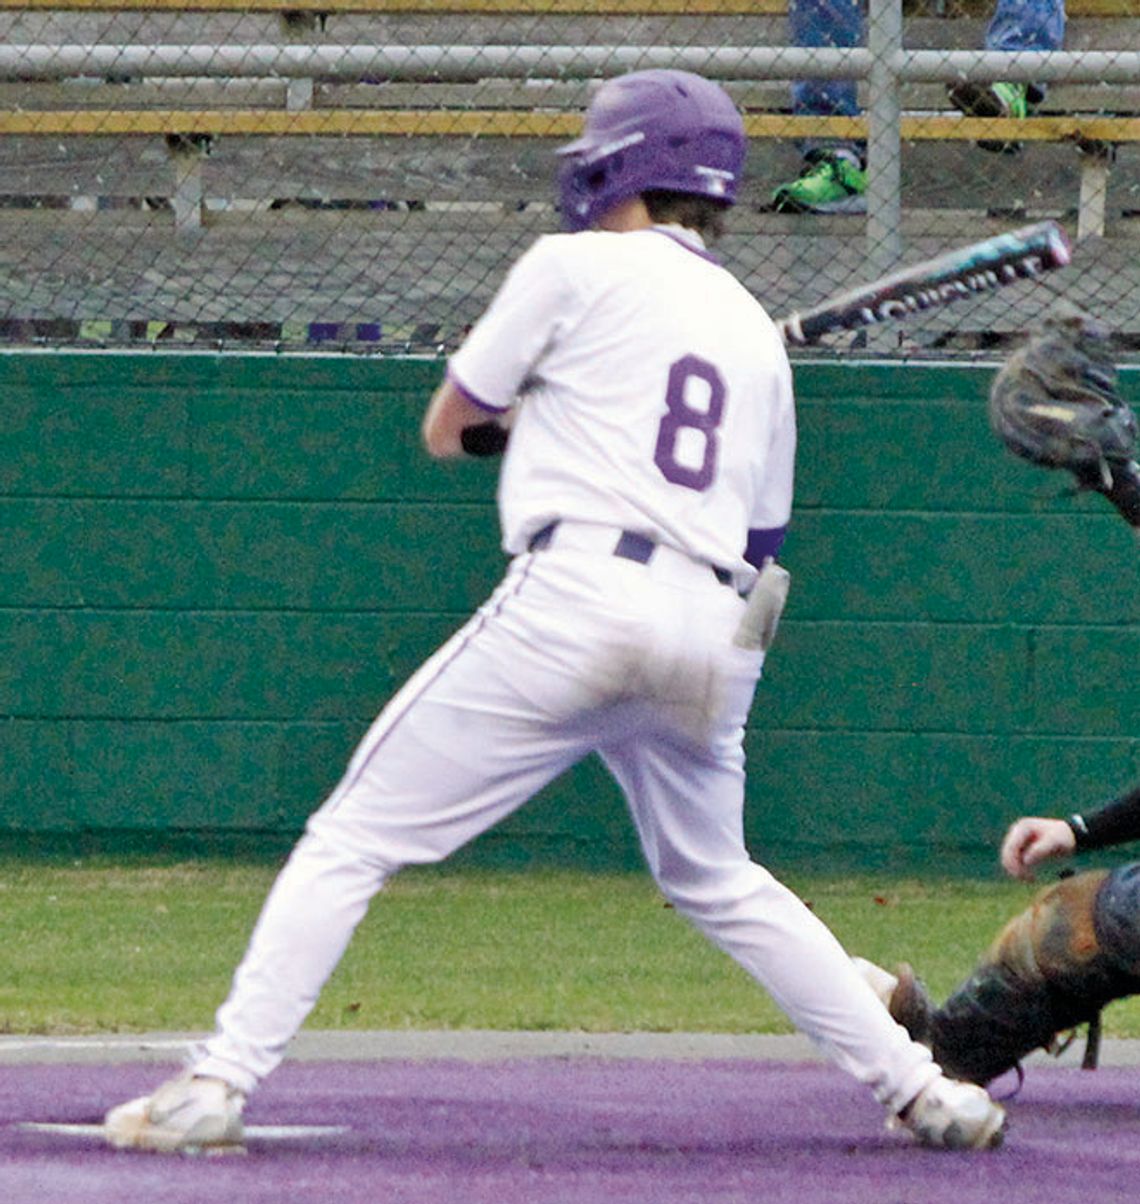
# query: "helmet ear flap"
[586,189]
[600,173]
[582,185]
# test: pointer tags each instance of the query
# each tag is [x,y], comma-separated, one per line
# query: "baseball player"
[643,401]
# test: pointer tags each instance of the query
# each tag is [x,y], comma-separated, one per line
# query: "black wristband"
[484,439]
[1079,829]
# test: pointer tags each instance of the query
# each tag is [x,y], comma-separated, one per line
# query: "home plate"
[252,1132]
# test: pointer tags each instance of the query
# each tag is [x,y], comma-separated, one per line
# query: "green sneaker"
[828,184]
[992,100]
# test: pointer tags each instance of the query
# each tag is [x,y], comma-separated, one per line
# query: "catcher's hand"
[1055,403]
[1032,840]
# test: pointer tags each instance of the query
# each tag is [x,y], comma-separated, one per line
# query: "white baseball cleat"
[192,1114]
[954,1116]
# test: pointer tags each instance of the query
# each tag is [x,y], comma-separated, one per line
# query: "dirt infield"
[568,1129]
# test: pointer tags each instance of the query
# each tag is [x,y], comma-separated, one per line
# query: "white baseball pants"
[577,651]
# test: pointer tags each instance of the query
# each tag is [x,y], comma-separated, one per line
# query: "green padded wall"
[217,568]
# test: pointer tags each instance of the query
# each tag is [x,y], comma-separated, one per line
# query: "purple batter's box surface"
[572,1131]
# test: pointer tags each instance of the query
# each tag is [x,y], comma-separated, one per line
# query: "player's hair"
[700,213]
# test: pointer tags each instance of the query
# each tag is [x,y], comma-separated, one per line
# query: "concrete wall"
[217,568]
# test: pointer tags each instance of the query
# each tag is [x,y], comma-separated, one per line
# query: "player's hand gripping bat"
[969,271]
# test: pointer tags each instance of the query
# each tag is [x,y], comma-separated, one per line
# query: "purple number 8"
[681,415]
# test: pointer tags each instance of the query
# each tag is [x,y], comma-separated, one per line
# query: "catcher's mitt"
[1055,403]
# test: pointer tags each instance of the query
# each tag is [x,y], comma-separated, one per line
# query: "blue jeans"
[1015,25]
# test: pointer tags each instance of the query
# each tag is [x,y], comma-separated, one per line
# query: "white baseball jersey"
[654,393]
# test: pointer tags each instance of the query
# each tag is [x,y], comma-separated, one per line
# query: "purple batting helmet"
[651,130]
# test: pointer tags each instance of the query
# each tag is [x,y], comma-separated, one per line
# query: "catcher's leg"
[1052,967]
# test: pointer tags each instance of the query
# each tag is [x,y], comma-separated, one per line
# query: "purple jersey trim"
[681,241]
[472,397]
[762,543]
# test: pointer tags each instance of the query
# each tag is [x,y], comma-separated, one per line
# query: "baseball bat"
[969,271]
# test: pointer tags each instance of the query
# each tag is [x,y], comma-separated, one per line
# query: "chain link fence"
[359,174]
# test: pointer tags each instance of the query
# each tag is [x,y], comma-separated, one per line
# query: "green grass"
[95,947]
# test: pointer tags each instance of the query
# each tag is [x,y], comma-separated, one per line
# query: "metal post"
[300,27]
[1093,203]
[187,153]
[884,146]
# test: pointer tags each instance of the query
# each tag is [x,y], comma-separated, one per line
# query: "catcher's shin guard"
[1053,967]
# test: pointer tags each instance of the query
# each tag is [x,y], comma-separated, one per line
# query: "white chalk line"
[66,1043]
[256,1132]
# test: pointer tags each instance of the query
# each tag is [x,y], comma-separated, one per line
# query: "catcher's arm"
[1032,840]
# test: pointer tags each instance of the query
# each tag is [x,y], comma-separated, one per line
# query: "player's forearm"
[1115,823]
[451,415]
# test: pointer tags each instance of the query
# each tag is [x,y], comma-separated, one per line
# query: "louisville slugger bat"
[981,267]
